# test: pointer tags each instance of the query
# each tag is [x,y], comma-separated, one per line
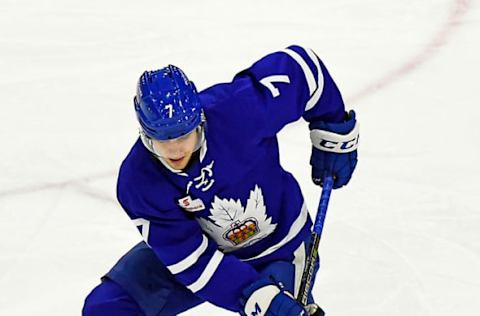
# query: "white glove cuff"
[335,143]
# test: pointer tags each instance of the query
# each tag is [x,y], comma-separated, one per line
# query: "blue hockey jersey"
[235,208]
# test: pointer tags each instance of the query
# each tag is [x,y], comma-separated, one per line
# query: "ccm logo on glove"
[333,142]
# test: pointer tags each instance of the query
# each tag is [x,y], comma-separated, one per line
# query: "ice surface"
[402,239]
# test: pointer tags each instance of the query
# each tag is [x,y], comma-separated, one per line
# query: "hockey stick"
[316,234]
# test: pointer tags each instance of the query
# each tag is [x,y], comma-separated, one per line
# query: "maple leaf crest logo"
[232,226]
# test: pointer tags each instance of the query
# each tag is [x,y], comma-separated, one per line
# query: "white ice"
[403,238]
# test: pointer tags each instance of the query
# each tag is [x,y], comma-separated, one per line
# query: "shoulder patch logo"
[232,226]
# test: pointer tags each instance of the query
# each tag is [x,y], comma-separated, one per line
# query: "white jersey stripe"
[190,260]
[312,85]
[292,233]
[318,93]
[207,273]
[299,265]
[144,227]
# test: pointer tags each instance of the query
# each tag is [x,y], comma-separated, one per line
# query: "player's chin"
[178,163]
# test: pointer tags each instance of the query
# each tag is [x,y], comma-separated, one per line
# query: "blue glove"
[268,298]
[334,150]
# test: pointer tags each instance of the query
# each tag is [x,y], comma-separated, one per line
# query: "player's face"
[177,152]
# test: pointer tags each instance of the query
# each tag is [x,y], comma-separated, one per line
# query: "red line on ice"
[459,8]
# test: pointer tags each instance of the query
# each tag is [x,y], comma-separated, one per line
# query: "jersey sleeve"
[281,88]
[179,243]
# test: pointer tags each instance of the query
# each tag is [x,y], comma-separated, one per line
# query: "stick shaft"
[312,255]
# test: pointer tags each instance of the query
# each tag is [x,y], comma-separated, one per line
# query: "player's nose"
[174,146]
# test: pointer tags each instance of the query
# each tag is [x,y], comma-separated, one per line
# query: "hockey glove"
[334,150]
[268,298]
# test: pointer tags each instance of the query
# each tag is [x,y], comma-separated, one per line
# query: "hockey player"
[221,220]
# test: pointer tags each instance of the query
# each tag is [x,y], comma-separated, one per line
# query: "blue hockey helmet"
[167,104]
